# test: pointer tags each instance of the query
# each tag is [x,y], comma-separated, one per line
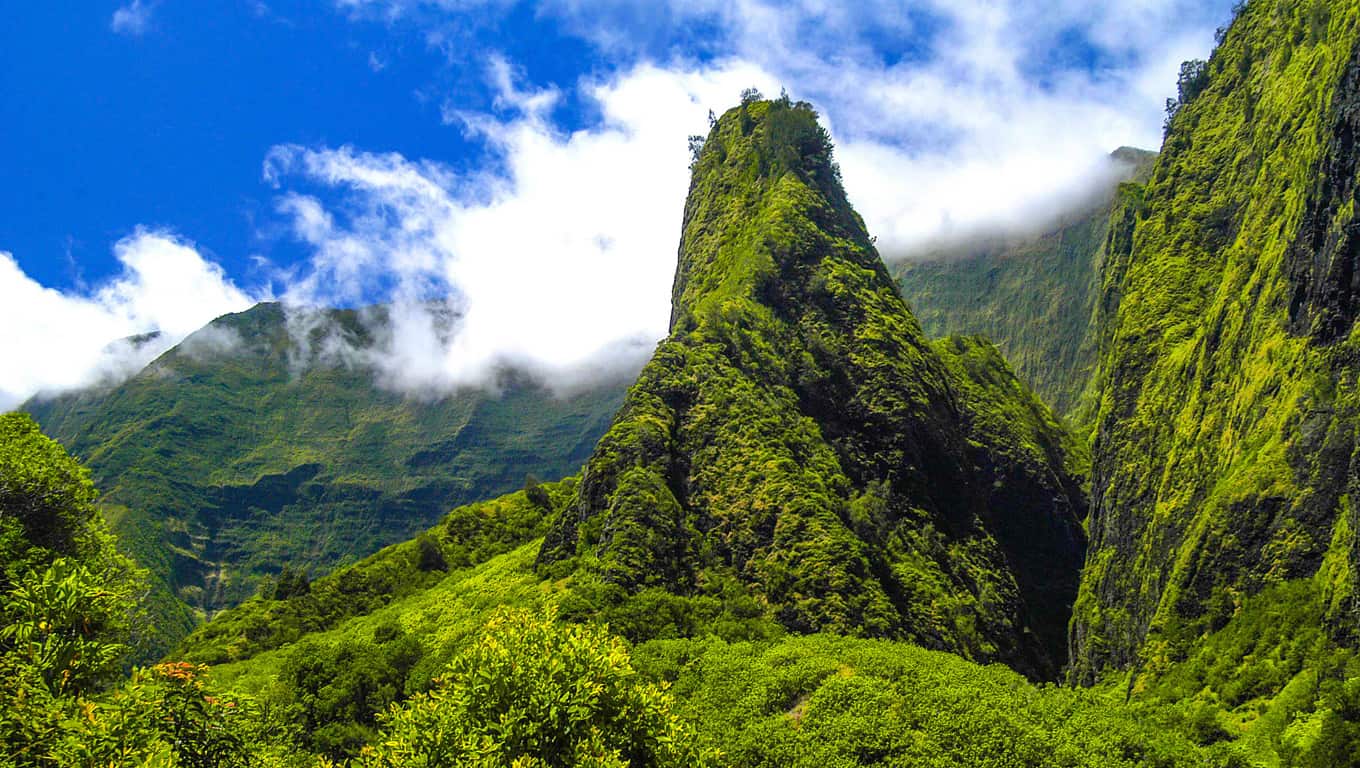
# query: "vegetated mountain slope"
[314,668]
[1224,479]
[254,445]
[1032,293]
[798,438]
[338,652]
[405,573]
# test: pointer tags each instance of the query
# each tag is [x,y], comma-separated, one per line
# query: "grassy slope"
[464,539]
[220,468]
[443,616]
[1033,295]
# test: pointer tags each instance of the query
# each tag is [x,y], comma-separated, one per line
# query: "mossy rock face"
[798,434]
[1223,458]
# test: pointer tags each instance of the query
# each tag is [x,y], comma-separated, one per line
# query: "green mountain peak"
[799,437]
[766,168]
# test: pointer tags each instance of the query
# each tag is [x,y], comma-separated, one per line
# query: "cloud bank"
[950,116]
[556,254]
[559,262]
[67,340]
[995,113]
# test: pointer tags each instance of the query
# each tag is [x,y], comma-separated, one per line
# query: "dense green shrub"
[339,690]
[67,615]
[533,692]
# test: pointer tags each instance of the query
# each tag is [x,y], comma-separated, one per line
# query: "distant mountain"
[246,448]
[1032,293]
[799,438]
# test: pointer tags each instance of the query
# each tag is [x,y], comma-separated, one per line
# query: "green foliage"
[468,536]
[289,583]
[1272,677]
[162,717]
[442,616]
[430,555]
[68,610]
[66,624]
[839,702]
[339,690]
[1191,81]
[165,706]
[532,692]
[721,606]
[67,598]
[46,496]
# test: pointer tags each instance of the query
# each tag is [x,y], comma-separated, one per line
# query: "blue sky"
[167,161]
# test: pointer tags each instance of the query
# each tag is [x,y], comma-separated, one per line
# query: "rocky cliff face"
[1224,456]
[797,434]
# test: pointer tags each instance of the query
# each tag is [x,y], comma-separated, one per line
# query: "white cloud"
[978,124]
[132,19]
[165,286]
[560,263]
[560,253]
[950,116]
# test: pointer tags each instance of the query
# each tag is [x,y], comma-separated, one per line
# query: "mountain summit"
[798,436]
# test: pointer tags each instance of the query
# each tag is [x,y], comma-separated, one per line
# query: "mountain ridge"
[238,452]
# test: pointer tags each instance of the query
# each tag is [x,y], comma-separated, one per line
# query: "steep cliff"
[1224,468]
